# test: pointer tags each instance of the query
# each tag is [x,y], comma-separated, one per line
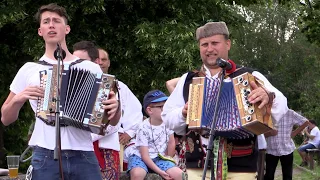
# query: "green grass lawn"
[305,175]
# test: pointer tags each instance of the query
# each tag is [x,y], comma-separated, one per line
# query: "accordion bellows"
[236,117]
[81,96]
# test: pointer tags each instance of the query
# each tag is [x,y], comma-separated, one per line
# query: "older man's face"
[103,61]
[214,47]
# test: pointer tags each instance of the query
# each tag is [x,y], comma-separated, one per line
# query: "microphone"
[227,65]
[59,53]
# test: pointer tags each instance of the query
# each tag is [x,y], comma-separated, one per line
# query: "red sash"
[99,154]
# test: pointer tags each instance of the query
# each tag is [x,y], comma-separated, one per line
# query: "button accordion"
[236,117]
[81,96]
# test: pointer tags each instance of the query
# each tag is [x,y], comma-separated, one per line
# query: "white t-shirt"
[43,134]
[156,138]
[316,140]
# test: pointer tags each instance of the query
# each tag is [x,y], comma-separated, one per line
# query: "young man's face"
[53,27]
[212,48]
[103,61]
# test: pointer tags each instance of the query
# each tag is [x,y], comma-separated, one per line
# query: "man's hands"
[11,107]
[30,92]
[112,109]
[185,110]
[258,94]
[111,105]
[124,138]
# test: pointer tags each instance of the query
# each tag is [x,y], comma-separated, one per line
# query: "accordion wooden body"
[81,96]
[236,117]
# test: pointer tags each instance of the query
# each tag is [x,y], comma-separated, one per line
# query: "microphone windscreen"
[59,53]
[233,67]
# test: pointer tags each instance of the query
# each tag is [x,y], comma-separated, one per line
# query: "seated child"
[155,144]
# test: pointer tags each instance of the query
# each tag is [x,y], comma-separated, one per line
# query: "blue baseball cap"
[153,97]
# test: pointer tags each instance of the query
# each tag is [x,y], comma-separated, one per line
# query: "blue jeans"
[304,148]
[76,165]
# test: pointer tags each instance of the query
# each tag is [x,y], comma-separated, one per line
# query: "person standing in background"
[280,145]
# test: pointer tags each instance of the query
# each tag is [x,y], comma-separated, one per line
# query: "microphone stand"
[59,55]
[212,134]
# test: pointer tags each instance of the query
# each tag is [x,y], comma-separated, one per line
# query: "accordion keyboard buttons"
[247,118]
[93,120]
[104,79]
[99,115]
[107,85]
[245,83]
[250,110]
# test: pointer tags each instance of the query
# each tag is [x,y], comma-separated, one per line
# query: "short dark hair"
[88,46]
[53,7]
[313,122]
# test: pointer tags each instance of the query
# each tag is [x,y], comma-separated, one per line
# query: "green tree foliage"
[310,20]
[148,42]
[152,41]
[272,42]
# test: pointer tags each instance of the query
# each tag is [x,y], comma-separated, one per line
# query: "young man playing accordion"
[78,159]
[213,40]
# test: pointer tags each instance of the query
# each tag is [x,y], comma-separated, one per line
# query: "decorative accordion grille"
[236,117]
[81,96]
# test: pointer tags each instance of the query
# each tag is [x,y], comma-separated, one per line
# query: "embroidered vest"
[244,161]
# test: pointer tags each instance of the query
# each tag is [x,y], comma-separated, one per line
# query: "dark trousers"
[286,164]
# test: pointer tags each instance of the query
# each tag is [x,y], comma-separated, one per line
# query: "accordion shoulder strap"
[77,62]
[45,63]
[187,82]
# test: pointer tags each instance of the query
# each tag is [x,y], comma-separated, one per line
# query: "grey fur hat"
[212,28]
